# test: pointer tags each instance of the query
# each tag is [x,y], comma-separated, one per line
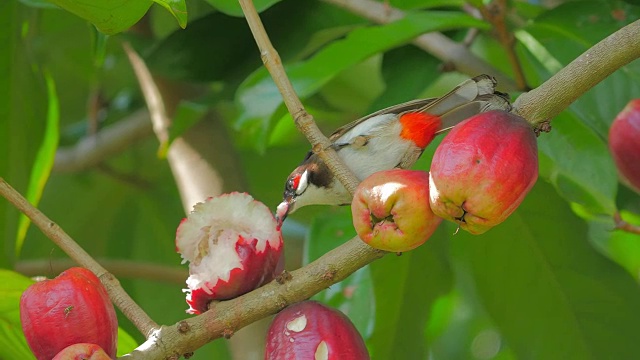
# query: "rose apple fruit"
[72,308]
[233,245]
[310,330]
[82,351]
[624,144]
[482,170]
[391,210]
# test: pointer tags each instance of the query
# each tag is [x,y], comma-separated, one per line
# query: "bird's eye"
[293,183]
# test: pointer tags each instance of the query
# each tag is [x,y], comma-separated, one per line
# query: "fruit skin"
[483,169]
[624,144]
[298,331]
[391,210]
[82,351]
[233,244]
[72,308]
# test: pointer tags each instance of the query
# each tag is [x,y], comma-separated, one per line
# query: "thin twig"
[229,316]
[131,269]
[120,298]
[435,43]
[594,65]
[495,13]
[93,149]
[304,121]
[620,224]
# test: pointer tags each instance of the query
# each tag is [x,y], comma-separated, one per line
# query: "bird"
[393,137]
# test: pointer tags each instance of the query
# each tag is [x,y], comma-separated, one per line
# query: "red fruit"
[310,330]
[233,246]
[624,144]
[82,351]
[391,210]
[72,308]
[483,169]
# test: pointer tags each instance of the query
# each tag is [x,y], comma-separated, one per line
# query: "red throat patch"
[419,127]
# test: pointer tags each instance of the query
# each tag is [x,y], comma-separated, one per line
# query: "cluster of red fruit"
[479,175]
[69,318]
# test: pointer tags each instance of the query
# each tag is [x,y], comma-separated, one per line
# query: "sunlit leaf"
[44,160]
[13,345]
[177,8]
[109,16]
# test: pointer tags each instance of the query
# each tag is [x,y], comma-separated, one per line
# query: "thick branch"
[117,294]
[304,121]
[594,65]
[226,317]
[434,43]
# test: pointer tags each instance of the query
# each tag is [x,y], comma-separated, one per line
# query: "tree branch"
[119,268]
[226,317]
[93,149]
[594,65]
[120,298]
[304,121]
[620,224]
[434,43]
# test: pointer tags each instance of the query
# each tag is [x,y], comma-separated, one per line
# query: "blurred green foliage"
[552,282]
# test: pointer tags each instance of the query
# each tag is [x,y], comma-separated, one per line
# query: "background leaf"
[109,16]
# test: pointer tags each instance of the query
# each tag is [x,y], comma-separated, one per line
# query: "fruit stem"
[620,224]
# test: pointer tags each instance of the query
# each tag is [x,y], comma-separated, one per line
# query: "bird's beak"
[283,210]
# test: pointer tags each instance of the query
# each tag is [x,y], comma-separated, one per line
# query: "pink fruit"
[483,169]
[391,210]
[72,308]
[624,144]
[82,351]
[310,330]
[233,245]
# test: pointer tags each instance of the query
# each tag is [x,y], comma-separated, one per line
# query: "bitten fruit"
[233,245]
[483,169]
[72,308]
[310,330]
[82,351]
[624,144]
[391,210]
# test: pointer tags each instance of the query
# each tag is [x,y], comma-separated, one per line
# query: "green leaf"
[13,345]
[187,114]
[258,98]
[232,7]
[109,16]
[550,293]
[578,164]
[353,295]
[406,290]
[622,247]
[126,343]
[403,85]
[44,160]
[177,8]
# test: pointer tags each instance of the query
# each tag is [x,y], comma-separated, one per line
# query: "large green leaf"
[13,345]
[578,163]
[354,295]
[258,97]
[406,289]
[109,16]
[550,293]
